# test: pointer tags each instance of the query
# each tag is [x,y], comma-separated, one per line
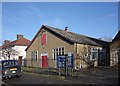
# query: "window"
[57,51]
[34,56]
[94,53]
[9,63]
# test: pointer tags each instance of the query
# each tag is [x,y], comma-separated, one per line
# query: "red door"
[44,61]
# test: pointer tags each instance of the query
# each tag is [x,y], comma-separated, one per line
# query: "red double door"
[44,61]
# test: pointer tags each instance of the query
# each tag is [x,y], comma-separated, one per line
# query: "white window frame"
[55,58]
[33,55]
[93,51]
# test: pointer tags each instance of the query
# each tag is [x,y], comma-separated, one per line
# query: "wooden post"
[59,71]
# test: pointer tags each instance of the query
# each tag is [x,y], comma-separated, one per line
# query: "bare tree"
[84,55]
[8,52]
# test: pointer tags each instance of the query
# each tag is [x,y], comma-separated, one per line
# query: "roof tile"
[20,42]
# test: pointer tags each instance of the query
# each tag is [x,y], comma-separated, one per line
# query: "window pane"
[36,57]
[56,49]
[62,53]
[57,53]
[62,48]
[54,56]
[59,49]
[94,55]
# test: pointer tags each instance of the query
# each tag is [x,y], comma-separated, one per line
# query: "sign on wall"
[70,61]
[61,61]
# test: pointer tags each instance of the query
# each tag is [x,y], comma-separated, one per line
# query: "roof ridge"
[21,41]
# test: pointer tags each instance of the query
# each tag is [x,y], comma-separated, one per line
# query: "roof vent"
[66,29]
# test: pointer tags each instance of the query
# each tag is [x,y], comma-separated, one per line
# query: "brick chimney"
[6,41]
[19,36]
[66,29]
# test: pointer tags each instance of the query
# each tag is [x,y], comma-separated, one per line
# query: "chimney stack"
[19,36]
[66,29]
[6,41]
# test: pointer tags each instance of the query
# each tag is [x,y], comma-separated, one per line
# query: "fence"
[90,74]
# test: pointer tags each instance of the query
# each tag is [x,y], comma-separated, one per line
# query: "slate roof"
[20,42]
[78,38]
[73,37]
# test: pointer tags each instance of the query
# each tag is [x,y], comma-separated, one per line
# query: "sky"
[94,19]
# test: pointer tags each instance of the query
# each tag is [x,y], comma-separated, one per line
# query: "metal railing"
[98,75]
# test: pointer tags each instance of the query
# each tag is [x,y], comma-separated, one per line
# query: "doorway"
[20,60]
[44,61]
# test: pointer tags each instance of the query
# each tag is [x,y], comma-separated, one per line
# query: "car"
[10,68]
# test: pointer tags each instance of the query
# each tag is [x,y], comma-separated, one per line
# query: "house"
[50,42]
[115,50]
[15,49]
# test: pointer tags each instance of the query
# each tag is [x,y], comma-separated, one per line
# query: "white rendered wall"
[21,51]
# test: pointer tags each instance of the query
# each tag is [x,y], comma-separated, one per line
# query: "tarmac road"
[30,78]
[33,78]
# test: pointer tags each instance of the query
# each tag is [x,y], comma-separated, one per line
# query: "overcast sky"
[94,19]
